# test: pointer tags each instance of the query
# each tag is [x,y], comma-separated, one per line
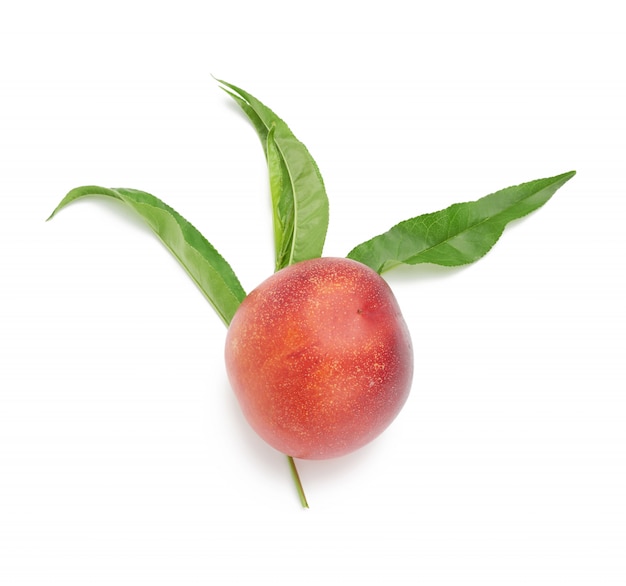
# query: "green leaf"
[282,203]
[299,200]
[459,234]
[203,263]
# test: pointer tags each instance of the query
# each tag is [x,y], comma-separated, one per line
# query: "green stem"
[296,479]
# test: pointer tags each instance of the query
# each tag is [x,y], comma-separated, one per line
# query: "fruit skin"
[320,358]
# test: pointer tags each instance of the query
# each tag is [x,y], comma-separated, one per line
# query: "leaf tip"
[564,177]
[54,212]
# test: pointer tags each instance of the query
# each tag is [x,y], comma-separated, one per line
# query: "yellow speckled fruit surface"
[320,358]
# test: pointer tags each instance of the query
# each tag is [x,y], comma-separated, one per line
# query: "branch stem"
[297,482]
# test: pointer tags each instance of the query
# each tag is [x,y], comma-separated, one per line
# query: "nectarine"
[320,358]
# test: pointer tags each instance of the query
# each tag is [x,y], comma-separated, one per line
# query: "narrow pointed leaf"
[261,128]
[211,273]
[282,202]
[303,199]
[459,234]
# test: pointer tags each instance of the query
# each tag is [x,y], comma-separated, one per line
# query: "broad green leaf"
[303,203]
[203,263]
[459,234]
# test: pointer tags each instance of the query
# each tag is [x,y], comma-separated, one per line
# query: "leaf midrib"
[294,200]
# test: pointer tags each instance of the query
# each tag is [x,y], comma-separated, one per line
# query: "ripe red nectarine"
[320,357]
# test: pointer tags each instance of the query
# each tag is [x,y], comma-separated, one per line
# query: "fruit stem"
[296,479]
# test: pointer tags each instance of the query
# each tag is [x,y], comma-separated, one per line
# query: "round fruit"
[320,358]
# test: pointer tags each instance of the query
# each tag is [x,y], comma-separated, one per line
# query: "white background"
[123,455]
